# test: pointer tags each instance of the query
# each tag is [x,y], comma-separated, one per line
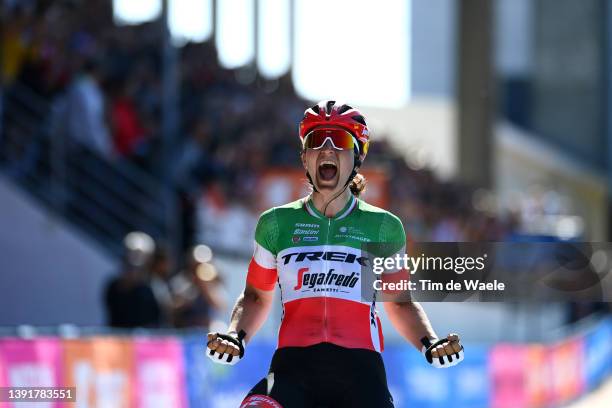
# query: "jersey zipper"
[327,242]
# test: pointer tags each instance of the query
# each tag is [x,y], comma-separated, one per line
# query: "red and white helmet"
[329,114]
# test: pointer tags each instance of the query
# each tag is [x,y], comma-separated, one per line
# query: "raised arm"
[410,321]
[253,305]
[407,316]
[250,311]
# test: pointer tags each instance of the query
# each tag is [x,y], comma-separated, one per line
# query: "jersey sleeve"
[262,272]
[392,235]
[393,240]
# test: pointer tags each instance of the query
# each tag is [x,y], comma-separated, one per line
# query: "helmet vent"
[344,108]
[329,105]
[316,109]
[360,119]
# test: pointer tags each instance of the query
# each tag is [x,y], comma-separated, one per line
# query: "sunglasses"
[340,139]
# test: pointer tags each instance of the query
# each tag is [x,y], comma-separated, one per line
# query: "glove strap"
[238,341]
[429,346]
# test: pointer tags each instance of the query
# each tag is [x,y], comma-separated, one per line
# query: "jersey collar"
[348,208]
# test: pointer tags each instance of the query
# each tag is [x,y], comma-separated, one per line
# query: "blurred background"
[140,140]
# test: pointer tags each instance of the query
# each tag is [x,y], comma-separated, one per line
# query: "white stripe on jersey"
[296,285]
[349,209]
[263,257]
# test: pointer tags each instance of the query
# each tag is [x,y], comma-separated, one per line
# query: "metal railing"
[106,198]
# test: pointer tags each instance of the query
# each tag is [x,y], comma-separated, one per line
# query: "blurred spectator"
[129,299]
[197,291]
[14,48]
[86,110]
[160,270]
[194,164]
[129,135]
[195,168]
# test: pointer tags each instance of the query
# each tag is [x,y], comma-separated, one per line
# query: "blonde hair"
[358,184]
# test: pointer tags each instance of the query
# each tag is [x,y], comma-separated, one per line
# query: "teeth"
[327,162]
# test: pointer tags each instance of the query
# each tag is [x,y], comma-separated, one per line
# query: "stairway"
[104,198]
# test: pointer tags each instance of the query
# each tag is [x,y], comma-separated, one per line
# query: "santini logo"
[309,280]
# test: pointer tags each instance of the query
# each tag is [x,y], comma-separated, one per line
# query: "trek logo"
[309,280]
[326,256]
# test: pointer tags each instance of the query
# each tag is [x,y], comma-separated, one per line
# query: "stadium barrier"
[171,370]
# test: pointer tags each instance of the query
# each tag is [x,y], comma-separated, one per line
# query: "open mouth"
[327,170]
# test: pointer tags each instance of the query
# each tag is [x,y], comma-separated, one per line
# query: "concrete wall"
[424,131]
[49,273]
[433,54]
[523,162]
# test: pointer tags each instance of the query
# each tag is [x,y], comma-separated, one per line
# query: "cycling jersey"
[317,262]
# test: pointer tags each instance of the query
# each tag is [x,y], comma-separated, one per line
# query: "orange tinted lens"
[341,139]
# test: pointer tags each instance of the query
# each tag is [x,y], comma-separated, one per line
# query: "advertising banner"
[567,379]
[160,373]
[31,363]
[508,375]
[538,374]
[101,369]
[175,372]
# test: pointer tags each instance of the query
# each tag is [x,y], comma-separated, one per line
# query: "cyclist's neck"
[320,200]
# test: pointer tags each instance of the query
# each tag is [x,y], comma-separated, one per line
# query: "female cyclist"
[330,337]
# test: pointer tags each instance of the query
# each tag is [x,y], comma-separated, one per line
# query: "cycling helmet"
[332,114]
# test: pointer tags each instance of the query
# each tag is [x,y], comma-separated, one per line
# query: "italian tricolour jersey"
[318,263]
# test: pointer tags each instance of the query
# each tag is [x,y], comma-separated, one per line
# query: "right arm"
[249,314]
[253,305]
[251,310]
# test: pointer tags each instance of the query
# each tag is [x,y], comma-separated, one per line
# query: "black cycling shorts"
[326,375]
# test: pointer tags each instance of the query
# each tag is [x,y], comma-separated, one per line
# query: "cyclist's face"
[329,167]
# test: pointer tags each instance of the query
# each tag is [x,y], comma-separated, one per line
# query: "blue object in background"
[414,383]
[395,359]
[221,386]
[598,354]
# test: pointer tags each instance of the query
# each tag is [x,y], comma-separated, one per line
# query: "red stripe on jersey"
[342,322]
[260,277]
[395,278]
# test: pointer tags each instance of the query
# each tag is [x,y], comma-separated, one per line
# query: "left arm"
[408,317]
[410,320]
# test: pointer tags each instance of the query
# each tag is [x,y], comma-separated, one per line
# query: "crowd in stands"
[106,86]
